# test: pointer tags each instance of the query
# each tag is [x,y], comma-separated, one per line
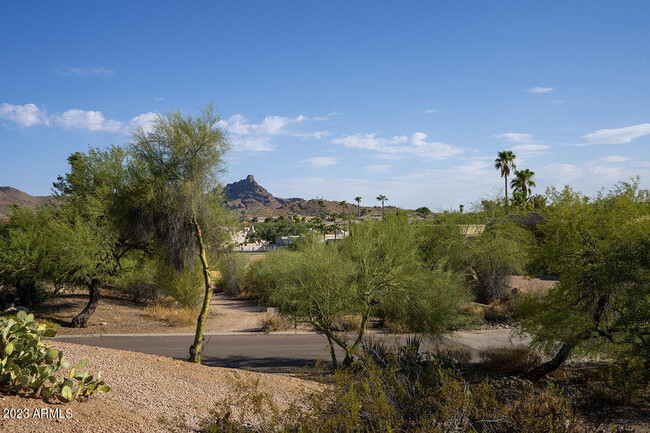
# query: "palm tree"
[336,228]
[523,182]
[461,208]
[358,200]
[504,162]
[382,198]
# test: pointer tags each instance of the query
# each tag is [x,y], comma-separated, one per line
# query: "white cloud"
[614,158]
[321,161]
[618,135]
[97,71]
[530,148]
[516,137]
[415,144]
[377,169]
[251,143]
[256,136]
[327,116]
[540,89]
[91,120]
[271,125]
[145,121]
[24,115]
[429,111]
[559,174]
[30,114]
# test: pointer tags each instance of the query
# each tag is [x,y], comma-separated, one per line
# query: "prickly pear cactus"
[29,365]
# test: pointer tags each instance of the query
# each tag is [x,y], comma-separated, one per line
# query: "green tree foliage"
[491,256]
[271,230]
[376,270]
[423,211]
[89,224]
[600,249]
[176,168]
[232,267]
[29,247]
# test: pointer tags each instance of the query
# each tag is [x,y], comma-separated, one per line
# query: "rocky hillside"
[9,196]
[249,196]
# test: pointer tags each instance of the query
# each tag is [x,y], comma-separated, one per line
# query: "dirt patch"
[117,315]
[526,285]
[143,388]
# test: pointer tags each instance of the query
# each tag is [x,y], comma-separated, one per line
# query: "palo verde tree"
[29,248]
[600,249]
[176,166]
[376,271]
[90,223]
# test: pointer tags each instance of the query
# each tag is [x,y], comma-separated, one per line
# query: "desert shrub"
[347,322]
[627,378]
[30,292]
[274,322]
[510,359]
[185,286]
[28,365]
[459,353]
[232,267]
[139,283]
[400,390]
[498,311]
[172,312]
[500,251]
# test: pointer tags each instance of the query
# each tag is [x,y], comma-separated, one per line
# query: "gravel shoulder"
[143,388]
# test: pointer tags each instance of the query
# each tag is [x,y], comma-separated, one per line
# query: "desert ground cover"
[117,315]
[143,389]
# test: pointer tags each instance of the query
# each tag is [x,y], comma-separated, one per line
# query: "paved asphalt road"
[261,352]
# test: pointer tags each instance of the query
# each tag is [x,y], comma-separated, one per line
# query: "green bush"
[139,282]
[28,365]
[185,286]
[232,267]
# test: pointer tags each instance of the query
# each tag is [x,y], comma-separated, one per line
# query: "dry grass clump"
[510,359]
[498,311]
[347,322]
[458,353]
[172,314]
[274,322]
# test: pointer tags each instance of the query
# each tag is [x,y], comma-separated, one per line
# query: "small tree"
[176,166]
[382,198]
[375,270]
[600,249]
[91,222]
[358,200]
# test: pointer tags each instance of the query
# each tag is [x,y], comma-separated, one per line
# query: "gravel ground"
[116,315]
[143,388]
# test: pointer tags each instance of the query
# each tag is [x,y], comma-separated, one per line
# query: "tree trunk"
[552,365]
[195,349]
[506,178]
[332,352]
[81,319]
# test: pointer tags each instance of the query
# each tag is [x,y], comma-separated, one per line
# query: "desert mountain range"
[9,196]
[244,195]
[251,197]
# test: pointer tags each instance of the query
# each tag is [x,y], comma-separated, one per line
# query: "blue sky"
[338,99]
